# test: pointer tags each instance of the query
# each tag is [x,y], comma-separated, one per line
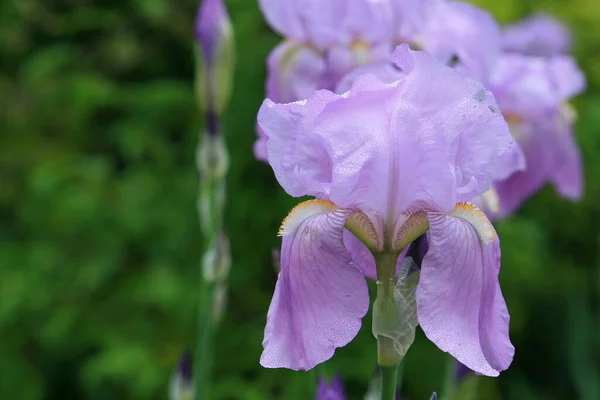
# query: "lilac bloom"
[532,93]
[324,41]
[539,35]
[461,35]
[388,162]
[333,391]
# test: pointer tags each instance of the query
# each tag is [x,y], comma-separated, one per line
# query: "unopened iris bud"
[182,383]
[216,60]
[212,158]
[395,316]
[216,262]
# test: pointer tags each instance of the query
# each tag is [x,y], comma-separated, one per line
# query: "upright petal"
[539,35]
[464,36]
[295,71]
[432,138]
[314,21]
[460,305]
[320,296]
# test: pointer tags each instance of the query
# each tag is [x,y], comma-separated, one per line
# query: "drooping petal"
[460,305]
[532,92]
[295,72]
[552,156]
[320,296]
[539,35]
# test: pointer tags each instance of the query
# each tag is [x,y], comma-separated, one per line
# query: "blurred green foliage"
[99,243]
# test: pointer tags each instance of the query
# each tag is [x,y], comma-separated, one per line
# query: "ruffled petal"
[460,305]
[430,139]
[295,72]
[320,296]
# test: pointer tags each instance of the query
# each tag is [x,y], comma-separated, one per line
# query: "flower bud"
[212,158]
[395,316]
[216,262]
[216,60]
[182,386]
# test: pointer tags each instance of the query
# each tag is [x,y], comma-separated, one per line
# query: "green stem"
[449,391]
[388,382]
[204,348]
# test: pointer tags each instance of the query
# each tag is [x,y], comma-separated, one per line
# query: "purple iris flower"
[532,93]
[539,35]
[325,41]
[387,163]
[333,391]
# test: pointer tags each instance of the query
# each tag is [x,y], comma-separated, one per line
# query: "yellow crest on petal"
[477,218]
[303,211]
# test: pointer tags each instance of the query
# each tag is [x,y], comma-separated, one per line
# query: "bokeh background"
[99,243]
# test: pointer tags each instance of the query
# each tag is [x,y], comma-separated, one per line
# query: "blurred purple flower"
[388,161]
[214,35]
[461,35]
[212,26]
[181,386]
[533,93]
[539,35]
[325,41]
[333,391]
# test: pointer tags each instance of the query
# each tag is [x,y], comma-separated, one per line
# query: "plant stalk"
[388,382]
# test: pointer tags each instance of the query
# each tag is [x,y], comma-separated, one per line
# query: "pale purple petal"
[464,36]
[412,17]
[320,23]
[320,296]
[552,156]
[531,92]
[361,255]
[295,71]
[539,35]
[433,138]
[283,16]
[384,71]
[460,305]
[525,85]
[260,145]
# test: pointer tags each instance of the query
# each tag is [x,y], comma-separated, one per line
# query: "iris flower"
[325,41]
[387,164]
[533,83]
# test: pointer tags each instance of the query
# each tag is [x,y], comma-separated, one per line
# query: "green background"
[99,243]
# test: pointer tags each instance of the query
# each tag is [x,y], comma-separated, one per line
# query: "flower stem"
[388,382]
[204,342]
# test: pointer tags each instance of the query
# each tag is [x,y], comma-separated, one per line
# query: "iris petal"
[460,305]
[320,296]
